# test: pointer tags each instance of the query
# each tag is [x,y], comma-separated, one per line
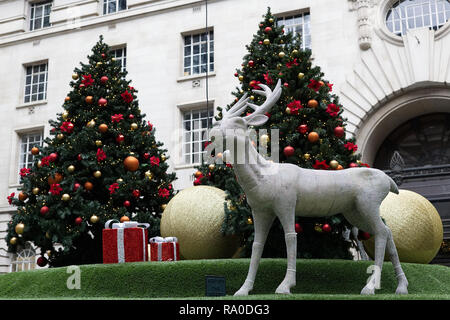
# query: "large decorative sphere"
[131,163]
[415,224]
[195,216]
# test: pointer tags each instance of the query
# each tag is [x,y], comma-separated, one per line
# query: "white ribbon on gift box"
[115,224]
[160,241]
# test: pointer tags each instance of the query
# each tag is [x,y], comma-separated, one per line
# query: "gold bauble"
[252,98]
[266,41]
[281,54]
[163,157]
[98,143]
[65,197]
[49,253]
[97,174]
[47,235]
[60,136]
[271,20]
[195,216]
[65,115]
[39,164]
[249,221]
[35,191]
[415,225]
[241,78]
[288,110]
[212,166]
[94,219]
[91,124]
[19,228]
[75,76]
[99,64]
[264,139]
[301,75]
[119,180]
[307,156]
[149,175]
[294,52]
[71,168]
[134,126]
[13,240]
[334,164]
[163,206]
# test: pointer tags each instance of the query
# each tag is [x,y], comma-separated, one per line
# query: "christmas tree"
[311,135]
[101,162]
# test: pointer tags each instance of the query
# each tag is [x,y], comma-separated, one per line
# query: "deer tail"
[393,186]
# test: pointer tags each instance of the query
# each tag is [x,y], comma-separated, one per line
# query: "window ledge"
[31,104]
[196,76]
[186,166]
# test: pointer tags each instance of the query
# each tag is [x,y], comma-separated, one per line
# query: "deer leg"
[359,244]
[402,287]
[288,223]
[262,223]
[381,235]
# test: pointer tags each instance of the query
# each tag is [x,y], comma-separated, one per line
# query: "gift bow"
[161,239]
[115,224]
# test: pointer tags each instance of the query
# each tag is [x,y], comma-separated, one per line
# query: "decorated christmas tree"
[101,162]
[312,135]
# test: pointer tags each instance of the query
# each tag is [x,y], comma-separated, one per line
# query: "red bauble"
[303,128]
[120,138]
[136,193]
[339,132]
[103,55]
[362,235]
[326,228]
[126,203]
[353,165]
[298,228]
[76,186]
[79,157]
[104,79]
[41,262]
[260,42]
[267,114]
[44,210]
[236,74]
[251,63]
[102,102]
[267,29]
[131,116]
[146,155]
[78,221]
[53,156]
[289,151]
[286,85]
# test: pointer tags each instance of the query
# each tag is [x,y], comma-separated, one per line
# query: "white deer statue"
[293,191]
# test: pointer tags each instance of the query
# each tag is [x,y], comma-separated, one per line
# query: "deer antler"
[237,109]
[272,98]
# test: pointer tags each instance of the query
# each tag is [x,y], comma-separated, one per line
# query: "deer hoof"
[368,290]
[241,292]
[401,290]
[283,289]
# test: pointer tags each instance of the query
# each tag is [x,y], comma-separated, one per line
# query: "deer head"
[233,125]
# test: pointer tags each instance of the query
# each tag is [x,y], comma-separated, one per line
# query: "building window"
[195,125]
[120,54]
[413,14]
[198,53]
[40,15]
[36,82]
[27,142]
[25,260]
[299,24]
[111,6]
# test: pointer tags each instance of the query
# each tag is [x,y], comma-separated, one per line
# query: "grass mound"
[316,279]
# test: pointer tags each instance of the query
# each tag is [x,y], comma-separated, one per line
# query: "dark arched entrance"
[417,155]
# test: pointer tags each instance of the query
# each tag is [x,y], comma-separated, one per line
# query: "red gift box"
[164,249]
[124,242]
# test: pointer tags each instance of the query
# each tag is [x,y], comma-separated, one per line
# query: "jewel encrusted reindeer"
[285,190]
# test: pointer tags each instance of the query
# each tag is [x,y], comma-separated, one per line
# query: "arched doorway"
[417,155]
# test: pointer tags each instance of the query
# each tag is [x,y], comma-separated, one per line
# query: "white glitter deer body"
[285,190]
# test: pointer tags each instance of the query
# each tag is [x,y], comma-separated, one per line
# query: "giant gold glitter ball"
[195,216]
[415,224]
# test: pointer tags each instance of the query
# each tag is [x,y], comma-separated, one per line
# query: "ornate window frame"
[386,34]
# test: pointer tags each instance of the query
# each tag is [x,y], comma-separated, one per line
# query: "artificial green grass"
[316,279]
